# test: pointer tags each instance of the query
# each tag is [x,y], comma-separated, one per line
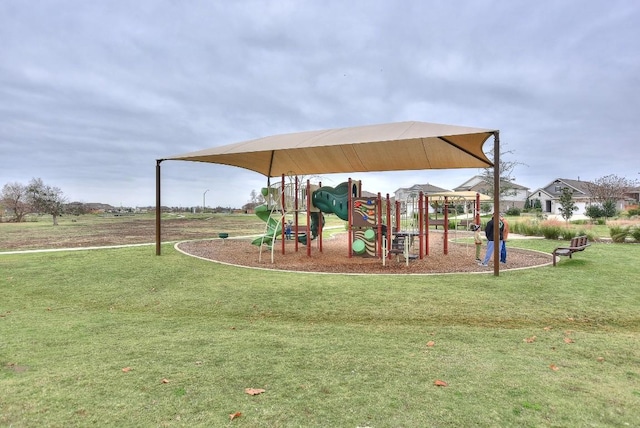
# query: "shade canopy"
[397,146]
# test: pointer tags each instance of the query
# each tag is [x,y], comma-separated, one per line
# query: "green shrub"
[513,211]
[526,228]
[635,233]
[609,208]
[619,234]
[516,227]
[594,212]
[551,231]
[633,212]
[590,236]
[580,222]
[567,234]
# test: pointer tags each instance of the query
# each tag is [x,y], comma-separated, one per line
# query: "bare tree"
[506,175]
[610,188]
[46,199]
[256,197]
[14,197]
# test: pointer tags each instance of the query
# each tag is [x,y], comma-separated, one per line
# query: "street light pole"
[204,195]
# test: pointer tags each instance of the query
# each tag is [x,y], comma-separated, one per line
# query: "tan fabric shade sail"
[400,146]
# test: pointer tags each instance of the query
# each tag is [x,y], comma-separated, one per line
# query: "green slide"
[327,199]
[333,200]
[273,226]
[315,221]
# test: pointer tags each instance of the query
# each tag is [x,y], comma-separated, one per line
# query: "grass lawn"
[543,347]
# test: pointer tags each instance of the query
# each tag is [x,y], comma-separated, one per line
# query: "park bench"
[579,243]
[436,222]
[465,223]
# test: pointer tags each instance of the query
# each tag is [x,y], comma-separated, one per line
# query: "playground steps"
[401,243]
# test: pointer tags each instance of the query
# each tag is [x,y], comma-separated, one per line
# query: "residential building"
[549,195]
[514,195]
[632,198]
[408,195]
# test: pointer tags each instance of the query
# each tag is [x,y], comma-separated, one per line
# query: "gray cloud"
[91,93]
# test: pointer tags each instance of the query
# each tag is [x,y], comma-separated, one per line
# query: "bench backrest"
[579,241]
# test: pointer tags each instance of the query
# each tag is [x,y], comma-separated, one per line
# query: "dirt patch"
[334,257]
[16,368]
[106,231]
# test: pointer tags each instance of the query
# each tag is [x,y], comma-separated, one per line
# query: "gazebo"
[398,146]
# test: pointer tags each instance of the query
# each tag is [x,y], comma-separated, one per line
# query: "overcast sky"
[93,92]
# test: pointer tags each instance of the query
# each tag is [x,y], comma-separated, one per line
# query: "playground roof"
[399,146]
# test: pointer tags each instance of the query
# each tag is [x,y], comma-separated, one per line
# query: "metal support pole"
[496,203]
[391,230]
[426,225]
[421,224]
[380,250]
[350,218]
[308,218]
[283,219]
[158,210]
[320,221]
[445,237]
[296,208]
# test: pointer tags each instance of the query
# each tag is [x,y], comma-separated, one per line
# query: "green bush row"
[552,230]
[620,234]
[549,230]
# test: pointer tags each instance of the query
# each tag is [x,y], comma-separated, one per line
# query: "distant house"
[549,195]
[97,208]
[515,195]
[407,196]
[366,194]
[632,197]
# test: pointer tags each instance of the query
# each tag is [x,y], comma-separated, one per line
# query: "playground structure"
[398,146]
[377,226]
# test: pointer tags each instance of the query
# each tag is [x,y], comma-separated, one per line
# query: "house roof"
[399,146]
[576,185]
[580,188]
[424,188]
[478,179]
[366,194]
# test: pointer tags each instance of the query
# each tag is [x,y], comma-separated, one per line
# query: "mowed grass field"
[121,337]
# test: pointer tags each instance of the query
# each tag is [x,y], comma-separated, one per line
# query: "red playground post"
[445,238]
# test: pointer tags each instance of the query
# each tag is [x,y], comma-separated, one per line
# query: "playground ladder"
[273,203]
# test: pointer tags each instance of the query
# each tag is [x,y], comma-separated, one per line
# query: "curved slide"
[315,220]
[273,226]
[327,199]
[333,200]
